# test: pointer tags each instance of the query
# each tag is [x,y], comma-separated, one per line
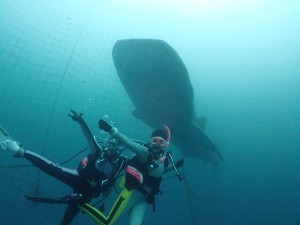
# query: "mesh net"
[54,56]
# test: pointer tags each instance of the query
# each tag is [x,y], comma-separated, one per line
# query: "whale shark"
[157,82]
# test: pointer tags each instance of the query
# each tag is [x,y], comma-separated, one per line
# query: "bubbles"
[90,105]
[107,119]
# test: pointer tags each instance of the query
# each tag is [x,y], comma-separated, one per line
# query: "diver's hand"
[103,125]
[75,116]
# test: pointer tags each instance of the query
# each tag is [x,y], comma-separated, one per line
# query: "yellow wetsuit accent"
[114,213]
[122,182]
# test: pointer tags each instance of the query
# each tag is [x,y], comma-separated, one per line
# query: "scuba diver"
[95,174]
[143,176]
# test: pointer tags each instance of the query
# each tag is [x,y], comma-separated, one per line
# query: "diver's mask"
[156,149]
[112,149]
[158,142]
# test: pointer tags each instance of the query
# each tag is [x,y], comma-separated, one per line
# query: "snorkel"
[169,135]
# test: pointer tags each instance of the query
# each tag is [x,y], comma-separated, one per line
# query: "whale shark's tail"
[193,142]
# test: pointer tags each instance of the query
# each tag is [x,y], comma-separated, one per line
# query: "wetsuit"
[86,180]
[141,184]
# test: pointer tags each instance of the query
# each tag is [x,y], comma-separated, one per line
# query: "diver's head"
[112,147]
[158,141]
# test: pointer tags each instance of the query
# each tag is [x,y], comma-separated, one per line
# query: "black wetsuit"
[85,180]
[78,181]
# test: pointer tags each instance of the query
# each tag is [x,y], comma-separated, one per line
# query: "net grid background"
[54,56]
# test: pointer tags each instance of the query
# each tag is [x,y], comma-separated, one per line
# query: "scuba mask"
[112,146]
[160,138]
[111,150]
[158,141]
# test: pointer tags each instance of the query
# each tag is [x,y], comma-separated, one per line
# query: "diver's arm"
[136,148]
[89,137]
[86,131]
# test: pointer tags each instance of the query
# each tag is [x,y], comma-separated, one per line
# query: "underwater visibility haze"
[242,58]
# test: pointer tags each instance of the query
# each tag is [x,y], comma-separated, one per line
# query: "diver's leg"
[137,213]
[70,214]
[67,176]
[115,212]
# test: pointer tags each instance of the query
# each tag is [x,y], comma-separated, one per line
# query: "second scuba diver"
[93,176]
[143,176]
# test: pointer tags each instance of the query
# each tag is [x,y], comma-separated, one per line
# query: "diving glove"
[12,147]
[103,125]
